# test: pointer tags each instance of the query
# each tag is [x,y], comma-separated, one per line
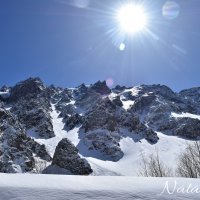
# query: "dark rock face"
[101,116]
[143,102]
[73,121]
[151,136]
[132,122]
[35,114]
[67,110]
[66,157]
[101,87]
[117,101]
[105,142]
[159,90]
[39,150]
[119,89]
[16,149]
[191,98]
[188,128]
[62,99]
[31,103]
[26,89]
[81,90]
[193,93]
[182,127]
[88,101]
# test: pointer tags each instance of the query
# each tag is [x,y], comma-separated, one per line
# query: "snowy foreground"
[52,187]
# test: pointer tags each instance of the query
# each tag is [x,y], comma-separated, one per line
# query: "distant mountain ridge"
[48,129]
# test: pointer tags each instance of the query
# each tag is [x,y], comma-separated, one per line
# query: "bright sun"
[132,18]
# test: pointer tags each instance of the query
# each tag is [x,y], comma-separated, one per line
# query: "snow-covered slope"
[51,187]
[110,128]
[168,147]
[60,133]
[51,143]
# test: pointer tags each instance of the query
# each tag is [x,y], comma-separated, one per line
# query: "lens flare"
[81,3]
[122,47]
[109,82]
[171,10]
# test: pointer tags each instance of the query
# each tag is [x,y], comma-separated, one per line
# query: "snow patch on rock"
[185,115]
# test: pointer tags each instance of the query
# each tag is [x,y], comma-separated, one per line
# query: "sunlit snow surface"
[168,147]
[127,104]
[60,132]
[52,187]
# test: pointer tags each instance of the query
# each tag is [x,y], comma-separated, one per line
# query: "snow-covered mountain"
[93,129]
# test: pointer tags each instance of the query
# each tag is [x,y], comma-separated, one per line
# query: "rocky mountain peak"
[119,88]
[193,93]
[101,87]
[4,88]
[66,157]
[30,87]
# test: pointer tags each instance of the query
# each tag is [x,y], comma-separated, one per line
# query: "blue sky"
[65,44]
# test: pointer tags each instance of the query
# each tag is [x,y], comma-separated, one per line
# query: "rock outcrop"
[66,157]
[16,148]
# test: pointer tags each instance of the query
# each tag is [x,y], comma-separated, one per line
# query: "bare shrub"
[154,167]
[189,162]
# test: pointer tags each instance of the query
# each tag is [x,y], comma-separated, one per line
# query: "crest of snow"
[41,87]
[145,95]
[71,88]
[127,104]
[5,95]
[182,115]
[60,132]
[134,91]
[112,96]
[71,102]
[8,107]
